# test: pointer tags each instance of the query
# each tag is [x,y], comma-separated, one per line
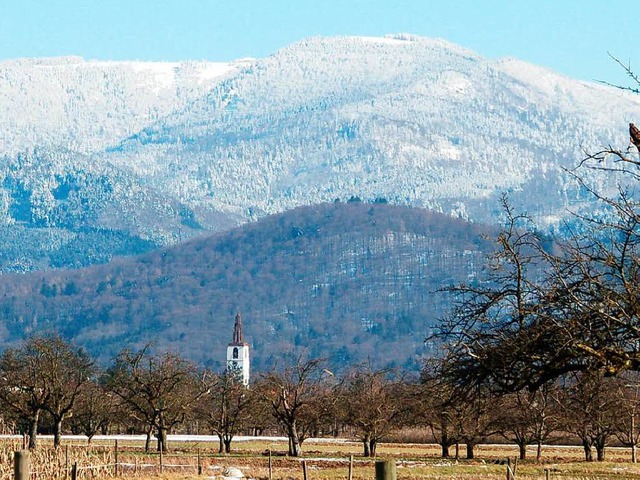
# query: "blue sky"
[572,37]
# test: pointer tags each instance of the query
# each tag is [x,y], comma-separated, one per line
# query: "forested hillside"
[347,281]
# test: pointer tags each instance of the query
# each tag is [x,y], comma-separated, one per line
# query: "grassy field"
[324,461]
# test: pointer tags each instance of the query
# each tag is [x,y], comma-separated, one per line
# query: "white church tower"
[238,353]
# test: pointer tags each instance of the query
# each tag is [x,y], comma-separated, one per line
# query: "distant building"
[238,353]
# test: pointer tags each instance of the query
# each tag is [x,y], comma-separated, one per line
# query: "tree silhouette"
[45,374]
[158,389]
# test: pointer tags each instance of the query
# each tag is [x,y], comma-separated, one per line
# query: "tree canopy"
[541,310]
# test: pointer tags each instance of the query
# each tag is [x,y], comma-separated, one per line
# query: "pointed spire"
[237,329]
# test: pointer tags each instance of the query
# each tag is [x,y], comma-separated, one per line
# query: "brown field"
[324,461]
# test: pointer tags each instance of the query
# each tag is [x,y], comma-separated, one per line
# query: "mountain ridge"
[415,121]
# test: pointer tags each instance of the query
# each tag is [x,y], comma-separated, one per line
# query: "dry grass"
[324,460]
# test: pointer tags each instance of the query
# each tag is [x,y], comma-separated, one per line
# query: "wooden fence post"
[199,464]
[385,470]
[304,469]
[115,457]
[22,465]
[350,476]
[511,472]
[161,461]
[66,462]
[74,471]
[270,467]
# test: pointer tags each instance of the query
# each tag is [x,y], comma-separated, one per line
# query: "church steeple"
[238,353]
[237,330]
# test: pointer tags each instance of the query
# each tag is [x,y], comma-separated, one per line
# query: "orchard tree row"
[49,385]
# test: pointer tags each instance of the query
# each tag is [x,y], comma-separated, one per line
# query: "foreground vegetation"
[324,460]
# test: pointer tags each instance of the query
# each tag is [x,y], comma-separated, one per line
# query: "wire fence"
[73,462]
[105,461]
[98,462]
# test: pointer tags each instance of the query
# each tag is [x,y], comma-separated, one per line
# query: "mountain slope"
[85,106]
[192,148]
[59,207]
[345,281]
[413,120]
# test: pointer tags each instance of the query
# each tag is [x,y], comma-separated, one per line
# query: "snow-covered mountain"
[155,153]
[61,204]
[85,106]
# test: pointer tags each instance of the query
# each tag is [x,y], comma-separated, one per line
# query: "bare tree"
[498,313]
[530,417]
[224,406]
[435,407]
[67,371]
[589,410]
[515,330]
[46,374]
[627,428]
[439,417]
[158,389]
[373,404]
[296,396]
[95,408]
[537,316]
[477,416]
[22,389]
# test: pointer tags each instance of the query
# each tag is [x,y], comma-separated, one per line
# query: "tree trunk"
[365,446]
[539,451]
[162,440]
[57,432]
[33,431]
[522,448]
[147,441]
[588,454]
[227,444]
[445,442]
[445,449]
[220,444]
[373,443]
[470,453]
[600,450]
[294,441]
